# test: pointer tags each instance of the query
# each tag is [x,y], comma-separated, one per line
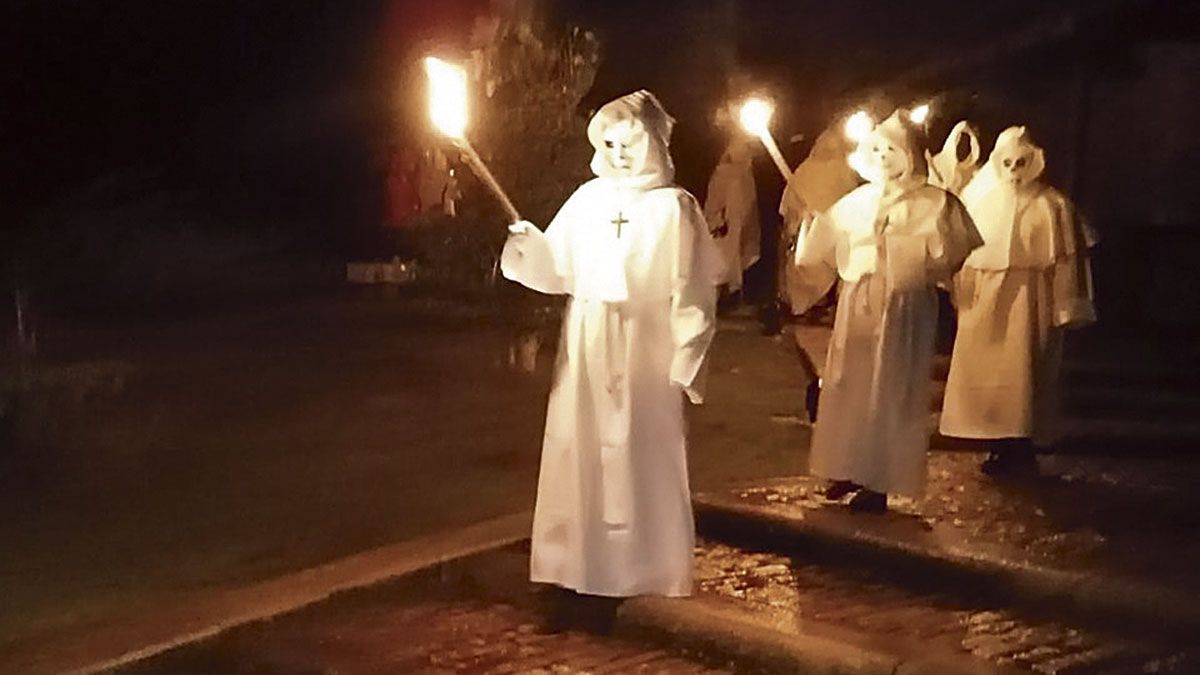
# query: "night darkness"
[281,98]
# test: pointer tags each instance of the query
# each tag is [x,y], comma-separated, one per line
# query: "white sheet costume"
[613,514]
[731,209]
[1015,296]
[891,241]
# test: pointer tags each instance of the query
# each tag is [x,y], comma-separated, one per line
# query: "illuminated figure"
[613,515]
[731,209]
[891,241]
[1015,296]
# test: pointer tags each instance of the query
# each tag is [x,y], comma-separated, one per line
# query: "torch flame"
[859,126]
[919,114]
[447,97]
[755,116]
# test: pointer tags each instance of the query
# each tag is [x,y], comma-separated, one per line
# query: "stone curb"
[1087,595]
[753,640]
[283,595]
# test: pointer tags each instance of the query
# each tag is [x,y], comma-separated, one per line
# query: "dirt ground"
[249,444]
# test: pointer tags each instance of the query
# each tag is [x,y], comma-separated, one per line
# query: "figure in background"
[817,183]
[1015,297]
[821,179]
[891,241]
[613,515]
[731,210]
[436,183]
[402,201]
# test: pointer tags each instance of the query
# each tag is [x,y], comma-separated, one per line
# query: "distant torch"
[919,114]
[859,126]
[755,116]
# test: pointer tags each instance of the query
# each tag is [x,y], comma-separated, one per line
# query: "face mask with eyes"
[892,162]
[1017,160]
[888,154]
[623,143]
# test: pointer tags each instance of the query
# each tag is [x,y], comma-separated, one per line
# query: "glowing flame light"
[447,97]
[859,126]
[755,116]
[919,114]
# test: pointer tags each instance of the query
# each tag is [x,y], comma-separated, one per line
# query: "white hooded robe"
[1015,296]
[613,514]
[891,243]
[731,209]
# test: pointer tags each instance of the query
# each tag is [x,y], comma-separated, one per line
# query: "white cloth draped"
[1015,296]
[613,514]
[731,209]
[890,247]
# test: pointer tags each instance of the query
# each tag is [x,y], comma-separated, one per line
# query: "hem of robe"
[1042,439]
[681,590]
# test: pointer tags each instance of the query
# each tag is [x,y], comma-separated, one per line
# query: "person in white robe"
[613,515]
[1015,297]
[731,209]
[891,241]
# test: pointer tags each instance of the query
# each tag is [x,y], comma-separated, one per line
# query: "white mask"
[892,162]
[1017,160]
[622,143]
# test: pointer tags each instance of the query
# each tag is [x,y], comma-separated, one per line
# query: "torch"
[755,116]
[448,110]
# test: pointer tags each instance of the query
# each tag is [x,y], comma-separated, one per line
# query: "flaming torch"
[755,117]
[448,110]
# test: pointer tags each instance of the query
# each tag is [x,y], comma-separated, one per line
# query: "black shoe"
[1015,461]
[838,489]
[869,501]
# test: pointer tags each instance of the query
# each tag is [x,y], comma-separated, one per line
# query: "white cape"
[1015,296]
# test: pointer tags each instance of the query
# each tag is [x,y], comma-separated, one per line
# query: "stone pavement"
[476,615]
[936,623]
[1089,569]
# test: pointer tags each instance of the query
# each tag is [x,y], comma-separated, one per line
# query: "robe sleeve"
[697,269]
[815,260]
[1073,295]
[541,260]
[955,239]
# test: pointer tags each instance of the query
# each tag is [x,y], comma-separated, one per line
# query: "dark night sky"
[228,91]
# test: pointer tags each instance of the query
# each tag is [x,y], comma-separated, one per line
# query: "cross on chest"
[619,221]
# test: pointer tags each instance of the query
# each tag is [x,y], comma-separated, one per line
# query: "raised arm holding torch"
[448,110]
[756,118]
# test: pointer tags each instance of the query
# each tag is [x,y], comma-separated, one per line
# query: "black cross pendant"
[619,221]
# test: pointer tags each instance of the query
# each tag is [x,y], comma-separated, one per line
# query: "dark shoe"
[1014,460]
[869,501]
[838,489]
[594,613]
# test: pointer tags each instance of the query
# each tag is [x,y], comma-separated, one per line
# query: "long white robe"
[613,514]
[731,209]
[890,252]
[1015,297]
